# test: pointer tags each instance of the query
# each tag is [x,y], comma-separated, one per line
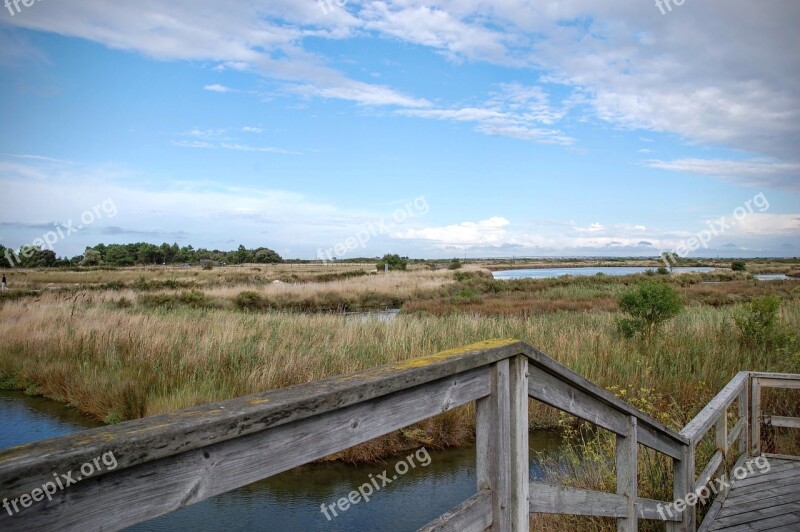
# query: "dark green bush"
[648,306]
[249,300]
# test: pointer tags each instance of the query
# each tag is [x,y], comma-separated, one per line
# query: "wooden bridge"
[171,461]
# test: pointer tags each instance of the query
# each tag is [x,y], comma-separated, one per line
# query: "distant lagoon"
[549,273]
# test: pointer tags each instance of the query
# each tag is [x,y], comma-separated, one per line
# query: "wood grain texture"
[131,495]
[135,442]
[473,515]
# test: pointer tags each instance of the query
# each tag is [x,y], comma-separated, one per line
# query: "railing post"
[722,445]
[519,474]
[744,413]
[683,484]
[627,461]
[493,445]
[755,419]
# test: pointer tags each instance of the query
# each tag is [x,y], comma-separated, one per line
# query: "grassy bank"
[117,362]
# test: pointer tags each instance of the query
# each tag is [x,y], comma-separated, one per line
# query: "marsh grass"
[123,354]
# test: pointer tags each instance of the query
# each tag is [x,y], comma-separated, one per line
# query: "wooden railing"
[745,388]
[171,461]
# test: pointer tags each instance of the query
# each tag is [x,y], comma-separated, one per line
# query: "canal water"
[292,500]
[548,273]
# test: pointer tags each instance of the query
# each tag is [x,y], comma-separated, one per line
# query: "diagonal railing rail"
[168,462]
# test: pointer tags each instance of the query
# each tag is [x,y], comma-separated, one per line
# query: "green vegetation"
[758,322]
[124,343]
[738,266]
[648,306]
[395,262]
[120,255]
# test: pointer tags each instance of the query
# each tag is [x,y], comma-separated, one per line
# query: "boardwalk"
[168,462]
[770,501]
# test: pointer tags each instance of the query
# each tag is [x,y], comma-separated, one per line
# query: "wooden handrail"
[167,462]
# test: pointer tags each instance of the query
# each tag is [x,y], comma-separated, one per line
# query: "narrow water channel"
[292,500]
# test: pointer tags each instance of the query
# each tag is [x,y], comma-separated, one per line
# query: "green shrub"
[455,264]
[648,306]
[395,262]
[189,298]
[757,323]
[249,300]
[738,266]
[662,270]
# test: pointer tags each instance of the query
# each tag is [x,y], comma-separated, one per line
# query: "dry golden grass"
[134,349]
[120,363]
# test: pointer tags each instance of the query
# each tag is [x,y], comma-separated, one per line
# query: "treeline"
[140,253]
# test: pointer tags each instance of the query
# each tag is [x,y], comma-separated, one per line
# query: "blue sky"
[469,128]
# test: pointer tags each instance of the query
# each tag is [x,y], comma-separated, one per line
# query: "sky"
[346,128]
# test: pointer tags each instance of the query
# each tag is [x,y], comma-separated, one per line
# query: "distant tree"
[395,262]
[91,257]
[739,266]
[455,264]
[119,255]
[36,257]
[648,306]
[266,256]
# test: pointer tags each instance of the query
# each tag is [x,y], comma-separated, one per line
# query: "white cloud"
[758,223]
[623,62]
[515,110]
[751,172]
[218,88]
[490,231]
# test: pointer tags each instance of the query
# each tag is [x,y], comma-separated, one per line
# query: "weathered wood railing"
[745,389]
[171,461]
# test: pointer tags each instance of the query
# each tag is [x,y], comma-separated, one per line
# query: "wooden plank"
[736,432]
[708,416]
[554,499]
[782,382]
[755,417]
[710,471]
[744,415]
[721,440]
[553,391]
[684,482]
[786,422]
[626,462]
[542,361]
[519,475]
[135,494]
[743,508]
[756,515]
[781,456]
[493,445]
[473,515]
[780,523]
[26,467]
[779,376]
